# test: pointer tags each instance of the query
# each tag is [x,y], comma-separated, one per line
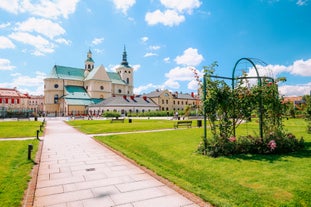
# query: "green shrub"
[111,114]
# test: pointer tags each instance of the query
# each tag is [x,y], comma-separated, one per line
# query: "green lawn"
[104,126]
[11,129]
[15,171]
[243,180]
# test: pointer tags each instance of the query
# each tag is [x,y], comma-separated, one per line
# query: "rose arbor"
[225,108]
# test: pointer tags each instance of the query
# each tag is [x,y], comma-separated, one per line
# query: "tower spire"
[124,58]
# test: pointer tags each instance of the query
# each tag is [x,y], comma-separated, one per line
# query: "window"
[86,87]
[101,87]
[166,101]
[127,80]
[55,85]
[120,91]
[56,98]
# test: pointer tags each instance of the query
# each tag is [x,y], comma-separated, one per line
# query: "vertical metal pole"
[204,112]
[37,134]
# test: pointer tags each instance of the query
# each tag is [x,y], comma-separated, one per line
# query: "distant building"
[68,90]
[35,104]
[297,101]
[169,101]
[123,105]
[13,103]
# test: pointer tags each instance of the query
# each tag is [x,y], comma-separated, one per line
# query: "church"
[68,91]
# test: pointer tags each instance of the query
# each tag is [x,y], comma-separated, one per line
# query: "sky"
[165,40]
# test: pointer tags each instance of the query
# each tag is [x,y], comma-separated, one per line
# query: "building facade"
[169,101]
[12,102]
[68,90]
[123,105]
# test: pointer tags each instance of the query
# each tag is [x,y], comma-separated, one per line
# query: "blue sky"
[163,39]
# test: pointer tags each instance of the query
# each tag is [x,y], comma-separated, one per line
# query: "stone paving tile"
[144,184]
[49,190]
[62,198]
[77,171]
[138,195]
[165,201]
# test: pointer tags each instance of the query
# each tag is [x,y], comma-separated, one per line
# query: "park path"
[77,171]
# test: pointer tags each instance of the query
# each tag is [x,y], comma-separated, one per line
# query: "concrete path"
[77,171]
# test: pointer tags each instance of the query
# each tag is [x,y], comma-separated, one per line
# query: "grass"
[14,171]
[104,126]
[12,129]
[243,180]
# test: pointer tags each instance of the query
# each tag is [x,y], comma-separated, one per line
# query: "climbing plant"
[225,108]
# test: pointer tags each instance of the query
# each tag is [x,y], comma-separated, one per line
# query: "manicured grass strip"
[244,180]
[15,171]
[104,126]
[11,129]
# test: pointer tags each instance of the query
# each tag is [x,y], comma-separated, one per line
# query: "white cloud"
[43,8]
[167,60]
[136,67]
[167,18]
[5,25]
[150,54]
[11,6]
[301,67]
[144,39]
[182,6]
[154,47]
[97,41]
[63,41]
[6,43]
[295,90]
[302,2]
[147,88]
[193,85]
[42,45]
[190,57]
[42,26]
[24,83]
[5,64]
[124,5]
[180,74]
[172,84]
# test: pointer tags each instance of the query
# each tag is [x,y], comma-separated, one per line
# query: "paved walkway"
[77,171]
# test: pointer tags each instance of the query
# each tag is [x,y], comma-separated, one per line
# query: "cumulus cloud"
[172,84]
[43,8]
[136,67]
[42,45]
[30,84]
[42,26]
[5,64]
[167,18]
[180,74]
[144,39]
[124,5]
[97,41]
[190,57]
[5,25]
[182,6]
[302,2]
[147,88]
[154,47]
[167,60]
[298,68]
[295,90]
[6,43]
[150,54]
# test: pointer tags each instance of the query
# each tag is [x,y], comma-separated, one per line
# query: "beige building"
[169,101]
[68,91]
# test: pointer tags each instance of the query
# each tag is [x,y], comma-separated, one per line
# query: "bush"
[111,114]
[279,143]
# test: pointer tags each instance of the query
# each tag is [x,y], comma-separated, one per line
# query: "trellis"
[233,80]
